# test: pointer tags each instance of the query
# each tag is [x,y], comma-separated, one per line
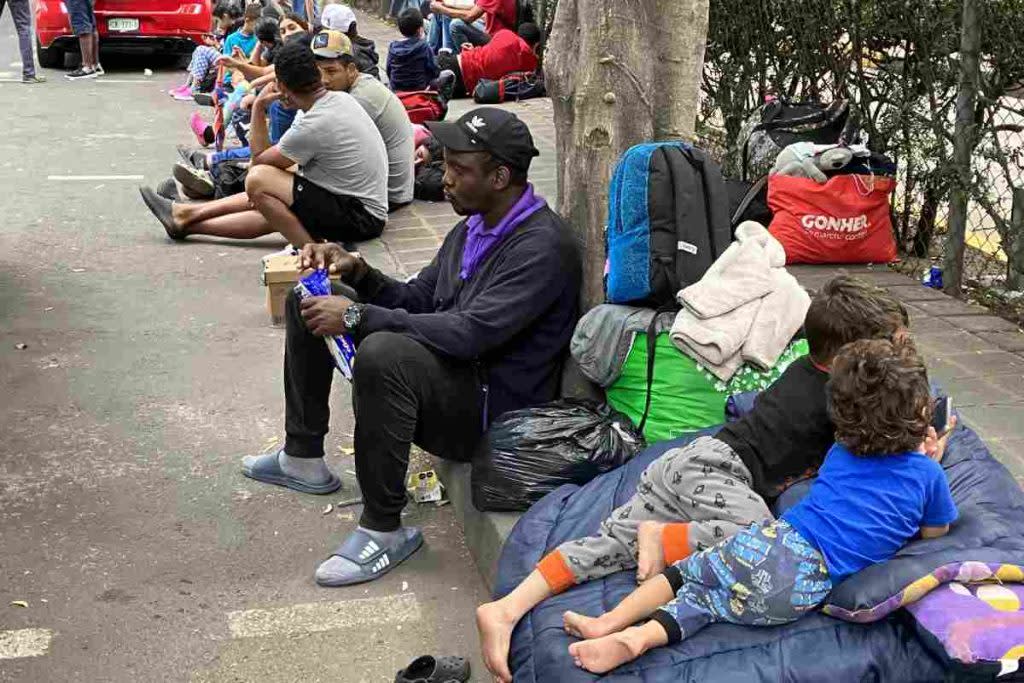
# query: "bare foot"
[583,626]
[650,559]
[601,655]
[495,627]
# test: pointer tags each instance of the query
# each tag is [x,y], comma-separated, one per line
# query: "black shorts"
[332,217]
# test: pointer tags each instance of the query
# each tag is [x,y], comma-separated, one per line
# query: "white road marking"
[26,642]
[94,177]
[316,617]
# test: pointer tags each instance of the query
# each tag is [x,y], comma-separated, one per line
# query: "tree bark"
[619,72]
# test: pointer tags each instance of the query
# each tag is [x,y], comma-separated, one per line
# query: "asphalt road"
[139,551]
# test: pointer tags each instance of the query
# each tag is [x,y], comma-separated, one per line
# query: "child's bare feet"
[495,626]
[601,655]
[650,559]
[583,626]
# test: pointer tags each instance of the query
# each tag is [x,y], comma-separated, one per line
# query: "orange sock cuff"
[675,542]
[556,572]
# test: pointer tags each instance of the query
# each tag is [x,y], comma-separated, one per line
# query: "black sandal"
[427,669]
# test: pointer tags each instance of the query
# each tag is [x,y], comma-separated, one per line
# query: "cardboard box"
[280,273]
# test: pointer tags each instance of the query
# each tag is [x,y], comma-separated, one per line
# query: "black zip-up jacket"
[514,317]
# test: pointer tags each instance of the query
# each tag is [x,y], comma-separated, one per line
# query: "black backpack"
[780,123]
[668,220]
[519,85]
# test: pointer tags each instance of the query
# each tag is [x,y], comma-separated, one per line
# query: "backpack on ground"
[780,123]
[668,220]
[423,105]
[519,85]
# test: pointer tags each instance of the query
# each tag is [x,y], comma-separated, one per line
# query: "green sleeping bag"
[684,396]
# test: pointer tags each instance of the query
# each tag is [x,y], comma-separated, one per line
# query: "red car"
[151,26]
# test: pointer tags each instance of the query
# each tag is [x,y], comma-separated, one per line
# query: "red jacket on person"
[505,54]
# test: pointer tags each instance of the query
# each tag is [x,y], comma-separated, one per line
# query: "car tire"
[49,57]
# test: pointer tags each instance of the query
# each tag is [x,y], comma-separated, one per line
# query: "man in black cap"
[480,331]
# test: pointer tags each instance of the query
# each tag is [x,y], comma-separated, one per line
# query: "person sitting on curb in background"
[240,44]
[333,53]
[497,14]
[83,23]
[480,331]
[881,485]
[21,14]
[202,67]
[339,192]
[411,63]
[342,18]
[508,52]
[693,497]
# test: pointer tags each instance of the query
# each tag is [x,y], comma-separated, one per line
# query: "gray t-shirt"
[387,112]
[337,147]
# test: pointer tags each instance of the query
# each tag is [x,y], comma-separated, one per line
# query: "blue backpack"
[668,220]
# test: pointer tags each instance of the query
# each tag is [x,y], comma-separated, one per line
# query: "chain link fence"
[939,87]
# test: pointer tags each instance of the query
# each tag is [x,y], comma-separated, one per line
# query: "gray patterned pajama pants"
[704,484]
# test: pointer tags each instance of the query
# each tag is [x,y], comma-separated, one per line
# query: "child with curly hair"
[880,486]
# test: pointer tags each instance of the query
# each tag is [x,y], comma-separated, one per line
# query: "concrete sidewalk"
[977,357]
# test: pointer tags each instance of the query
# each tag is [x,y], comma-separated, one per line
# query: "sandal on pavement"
[371,560]
[427,669]
[267,469]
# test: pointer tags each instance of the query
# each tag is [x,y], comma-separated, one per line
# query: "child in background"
[411,65]
[694,497]
[202,67]
[242,42]
[881,485]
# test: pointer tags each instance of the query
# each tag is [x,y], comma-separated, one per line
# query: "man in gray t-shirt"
[338,148]
[333,51]
[339,192]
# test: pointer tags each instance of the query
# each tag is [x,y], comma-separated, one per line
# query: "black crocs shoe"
[427,669]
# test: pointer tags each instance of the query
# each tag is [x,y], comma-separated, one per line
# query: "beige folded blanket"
[746,308]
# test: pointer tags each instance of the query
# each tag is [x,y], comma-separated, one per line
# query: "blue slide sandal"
[267,470]
[371,559]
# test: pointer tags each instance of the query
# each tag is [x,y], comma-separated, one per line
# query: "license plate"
[122,25]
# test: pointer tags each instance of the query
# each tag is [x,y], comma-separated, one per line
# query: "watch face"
[352,315]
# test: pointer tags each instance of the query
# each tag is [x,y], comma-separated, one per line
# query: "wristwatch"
[353,315]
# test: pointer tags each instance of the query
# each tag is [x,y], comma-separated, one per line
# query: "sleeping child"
[694,497]
[880,486]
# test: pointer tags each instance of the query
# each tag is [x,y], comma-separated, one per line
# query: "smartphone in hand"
[941,415]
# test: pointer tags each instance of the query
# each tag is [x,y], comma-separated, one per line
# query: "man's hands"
[325,315]
[935,445]
[438,7]
[336,260]
[269,94]
[421,156]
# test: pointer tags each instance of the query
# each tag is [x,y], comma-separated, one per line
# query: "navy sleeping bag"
[816,648]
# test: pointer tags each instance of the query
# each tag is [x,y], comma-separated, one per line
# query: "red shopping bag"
[845,220]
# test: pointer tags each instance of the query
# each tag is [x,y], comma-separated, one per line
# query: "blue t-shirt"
[862,509]
[246,42]
[239,39]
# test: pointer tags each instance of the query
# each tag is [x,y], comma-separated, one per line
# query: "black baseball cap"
[488,129]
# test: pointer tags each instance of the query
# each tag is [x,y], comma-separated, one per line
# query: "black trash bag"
[528,453]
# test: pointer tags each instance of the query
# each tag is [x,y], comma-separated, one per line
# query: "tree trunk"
[619,72]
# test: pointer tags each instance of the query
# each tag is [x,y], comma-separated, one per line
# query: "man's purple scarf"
[481,241]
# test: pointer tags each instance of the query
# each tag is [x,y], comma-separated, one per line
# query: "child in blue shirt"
[242,42]
[880,486]
[411,65]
